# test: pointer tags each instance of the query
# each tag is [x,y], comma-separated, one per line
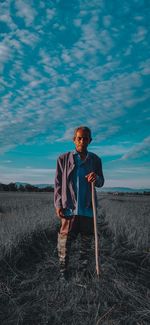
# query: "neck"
[82,154]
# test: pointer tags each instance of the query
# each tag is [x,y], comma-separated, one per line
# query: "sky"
[65,63]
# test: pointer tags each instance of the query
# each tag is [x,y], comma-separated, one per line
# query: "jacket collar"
[73,153]
[71,162]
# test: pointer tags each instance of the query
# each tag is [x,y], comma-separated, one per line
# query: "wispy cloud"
[140,34]
[25,10]
[4,55]
[139,150]
[34,175]
[130,182]
[130,176]
[111,150]
[7,161]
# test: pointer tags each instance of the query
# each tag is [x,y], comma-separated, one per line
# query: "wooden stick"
[95,231]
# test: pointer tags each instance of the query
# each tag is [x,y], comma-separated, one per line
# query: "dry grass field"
[30,290]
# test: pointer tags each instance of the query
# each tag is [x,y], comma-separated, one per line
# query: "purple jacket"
[64,194]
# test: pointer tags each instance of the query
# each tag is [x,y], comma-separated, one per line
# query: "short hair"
[84,128]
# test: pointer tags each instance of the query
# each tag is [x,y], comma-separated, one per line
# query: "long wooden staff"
[95,231]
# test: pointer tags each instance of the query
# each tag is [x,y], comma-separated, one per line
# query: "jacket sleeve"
[58,185]
[99,172]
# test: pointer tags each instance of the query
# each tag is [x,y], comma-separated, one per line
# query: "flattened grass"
[30,290]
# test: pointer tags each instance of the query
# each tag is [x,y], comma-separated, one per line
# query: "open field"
[30,290]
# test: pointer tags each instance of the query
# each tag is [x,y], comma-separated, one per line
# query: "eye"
[84,138]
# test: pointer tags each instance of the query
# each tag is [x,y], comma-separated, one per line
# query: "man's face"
[82,140]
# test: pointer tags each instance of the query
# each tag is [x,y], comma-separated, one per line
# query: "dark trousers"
[69,230]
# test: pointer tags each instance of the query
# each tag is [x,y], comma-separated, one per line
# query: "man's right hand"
[59,213]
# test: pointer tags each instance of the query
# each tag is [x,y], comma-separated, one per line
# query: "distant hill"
[37,185]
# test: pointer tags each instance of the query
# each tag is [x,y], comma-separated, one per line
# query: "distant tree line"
[129,193]
[13,187]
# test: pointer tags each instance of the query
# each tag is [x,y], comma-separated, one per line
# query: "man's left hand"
[91,177]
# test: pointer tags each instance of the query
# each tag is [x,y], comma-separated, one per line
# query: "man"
[75,172]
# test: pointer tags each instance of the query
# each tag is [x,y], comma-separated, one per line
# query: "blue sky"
[66,63]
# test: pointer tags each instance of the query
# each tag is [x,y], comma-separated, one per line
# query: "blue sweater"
[81,187]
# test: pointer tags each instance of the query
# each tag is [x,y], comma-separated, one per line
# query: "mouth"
[81,147]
